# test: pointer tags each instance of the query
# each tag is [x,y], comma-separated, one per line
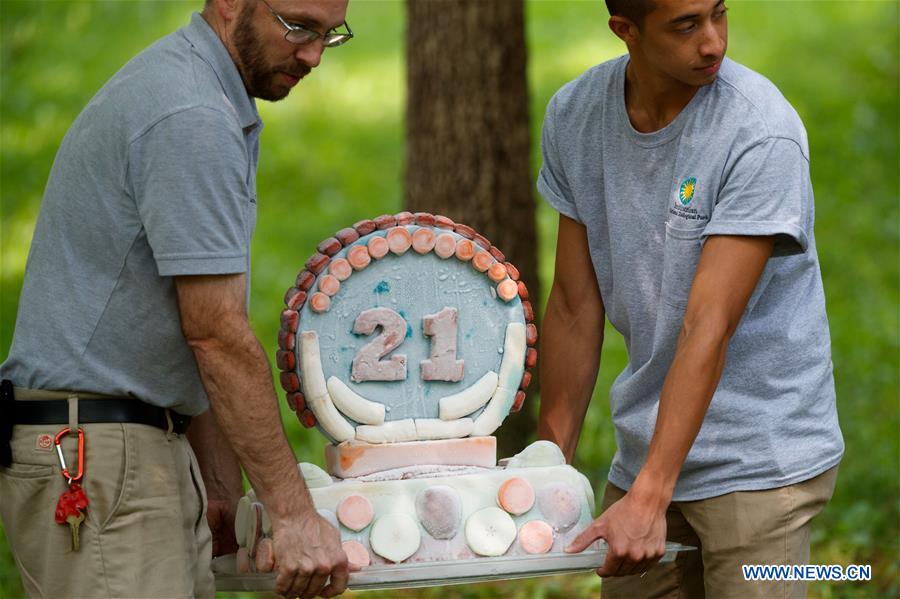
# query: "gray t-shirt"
[734,162]
[156,178]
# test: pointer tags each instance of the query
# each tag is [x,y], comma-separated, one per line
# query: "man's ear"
[226,11]
[624,29]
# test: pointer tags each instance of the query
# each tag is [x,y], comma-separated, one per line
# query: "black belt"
[90,411]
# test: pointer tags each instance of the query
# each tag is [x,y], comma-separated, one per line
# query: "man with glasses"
[686,217]
[133,319]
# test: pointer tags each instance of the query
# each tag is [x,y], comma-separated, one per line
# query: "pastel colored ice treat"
[516,496]
[357,554]
[265,556]
[406,341]
[395,537]
[355,512]
[536,536]
[242,559]
[560,504]
[419,513]
[490,531]
[440,511]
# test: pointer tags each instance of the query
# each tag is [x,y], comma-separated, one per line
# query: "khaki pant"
[746,527]
[145,534]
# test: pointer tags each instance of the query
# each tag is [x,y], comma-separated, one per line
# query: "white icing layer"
[311,365]
[435,428]
[354,405]
[498,407]
[317,398]
[492,416]
[514,347]
[389,432]
[469,399]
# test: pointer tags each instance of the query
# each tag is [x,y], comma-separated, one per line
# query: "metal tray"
[432,574]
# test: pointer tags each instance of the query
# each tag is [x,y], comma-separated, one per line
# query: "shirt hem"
[757,228]
[749,485]
[211,265]
[557,202]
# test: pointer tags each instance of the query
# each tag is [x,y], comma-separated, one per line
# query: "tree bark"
[468,137]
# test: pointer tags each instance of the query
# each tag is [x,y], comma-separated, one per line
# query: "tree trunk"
[468,137]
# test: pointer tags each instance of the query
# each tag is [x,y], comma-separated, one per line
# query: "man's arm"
[571,340]
[635,526]
[238,381]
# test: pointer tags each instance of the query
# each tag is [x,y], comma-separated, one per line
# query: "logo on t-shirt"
[686,190]
[683,205]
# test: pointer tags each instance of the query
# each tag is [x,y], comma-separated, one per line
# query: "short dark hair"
[634,10]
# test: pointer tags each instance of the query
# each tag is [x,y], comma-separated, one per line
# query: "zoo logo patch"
[686,191]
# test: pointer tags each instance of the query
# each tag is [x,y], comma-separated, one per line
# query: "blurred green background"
[333,153]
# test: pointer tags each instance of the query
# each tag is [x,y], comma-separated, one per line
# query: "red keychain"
[73,502]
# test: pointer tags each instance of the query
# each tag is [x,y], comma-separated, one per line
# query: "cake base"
[351,459]
[443,513]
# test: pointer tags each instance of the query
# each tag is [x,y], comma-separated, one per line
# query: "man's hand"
[222,479]
[220,515]
[308,551]
[635,532]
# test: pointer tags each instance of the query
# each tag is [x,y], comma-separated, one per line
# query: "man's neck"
[652,102]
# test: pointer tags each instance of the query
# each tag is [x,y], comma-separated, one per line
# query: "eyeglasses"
[298,34]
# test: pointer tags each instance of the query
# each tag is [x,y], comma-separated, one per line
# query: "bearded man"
[145,231]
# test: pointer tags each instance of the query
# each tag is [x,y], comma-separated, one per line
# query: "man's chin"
[277,96]
[274,93]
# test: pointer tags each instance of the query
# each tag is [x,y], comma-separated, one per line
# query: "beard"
[258,75]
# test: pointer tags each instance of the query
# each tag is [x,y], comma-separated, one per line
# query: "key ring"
[62,460]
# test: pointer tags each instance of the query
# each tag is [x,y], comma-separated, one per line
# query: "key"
[75,519]
[70,510]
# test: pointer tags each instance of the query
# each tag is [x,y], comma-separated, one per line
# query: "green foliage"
[333,153]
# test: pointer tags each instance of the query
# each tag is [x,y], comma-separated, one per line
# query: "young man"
[686,218]
[133,309]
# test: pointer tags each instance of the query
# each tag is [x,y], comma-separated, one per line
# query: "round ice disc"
[406,327]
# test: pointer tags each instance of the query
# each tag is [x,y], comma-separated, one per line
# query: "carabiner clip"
[62,460]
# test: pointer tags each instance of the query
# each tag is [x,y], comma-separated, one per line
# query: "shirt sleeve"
[767,192]
[189,178]
[552,182]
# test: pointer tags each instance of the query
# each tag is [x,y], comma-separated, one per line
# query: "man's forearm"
[237,379]
[571,341]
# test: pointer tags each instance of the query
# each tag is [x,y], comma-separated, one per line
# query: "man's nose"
[311,54]
[713,41]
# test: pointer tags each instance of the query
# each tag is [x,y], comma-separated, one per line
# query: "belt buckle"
[179,422]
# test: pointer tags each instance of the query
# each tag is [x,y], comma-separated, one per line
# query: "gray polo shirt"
[156,178]
[735,161]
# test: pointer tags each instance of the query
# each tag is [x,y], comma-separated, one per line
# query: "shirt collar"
[210,48]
